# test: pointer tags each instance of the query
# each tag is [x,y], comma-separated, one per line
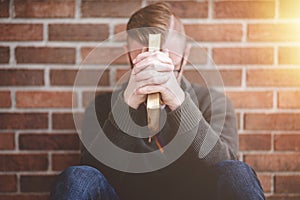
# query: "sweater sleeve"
[215,122]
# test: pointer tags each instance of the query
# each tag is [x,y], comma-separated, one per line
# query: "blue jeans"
[235,181]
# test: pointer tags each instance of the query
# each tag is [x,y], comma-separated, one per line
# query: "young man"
[200,164]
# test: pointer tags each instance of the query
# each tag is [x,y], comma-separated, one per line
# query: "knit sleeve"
[214,121]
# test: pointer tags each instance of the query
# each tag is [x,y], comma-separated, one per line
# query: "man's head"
[157,18]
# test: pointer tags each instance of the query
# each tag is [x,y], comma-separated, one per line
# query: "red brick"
[65,120]
[214,77]
[272,121]
[5,99]
[249,142]
[244,9]
[288,99]
[24,196]
[4,8]
[37,183]
[4,54]
[273,32]
[273,77]
[122,75]
[214,32]
[23,121]
[62,161]
[265,181]
[198,55]
[289,55]
[21,77]
[274,162]
[43,99]
[49,141]
[195,9]
[89,96]
[44,9]
[23,162]
[120,32]
[109,9]
[8,183]
[228,56]
[245,99]
[21,32]
[84,78]
[104,55]
[7,141]
[283,197]
[289,9]
[287,142]
[287,184]
[78,32]
[52,55]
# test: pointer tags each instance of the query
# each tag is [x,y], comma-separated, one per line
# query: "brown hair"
[157,16]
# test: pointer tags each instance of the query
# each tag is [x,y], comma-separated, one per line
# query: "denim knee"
[78,181]
[237,180]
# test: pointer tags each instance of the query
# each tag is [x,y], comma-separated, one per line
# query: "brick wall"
[255,43]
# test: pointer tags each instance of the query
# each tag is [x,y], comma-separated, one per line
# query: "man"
[201,120]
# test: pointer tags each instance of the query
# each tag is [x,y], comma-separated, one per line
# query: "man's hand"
[152,73]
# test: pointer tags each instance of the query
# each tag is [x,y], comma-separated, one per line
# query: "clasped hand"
[152,73]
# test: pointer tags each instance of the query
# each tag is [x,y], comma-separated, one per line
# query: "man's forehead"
[175,42]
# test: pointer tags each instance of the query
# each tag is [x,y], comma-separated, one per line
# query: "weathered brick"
[212,77]
[54,55]
[4,8]
[198,55]
[288,99]
[109,9]
[37,183]
[195,9]
[254,55]
[244,9]
[7,141]
[282,197]
[24,196]
[83,78]
[289,9]
[287,184]
[273,77]
[214,32]
[287,142]
[4,54]
[8,183]
[104,55]
[78,32]
[5,99]
[62,161]
[51,141]
[245,99]
[23,120]
[289,55]
[273,32]
[21,77]
[272,121]
[44,9]
[21,32]
[250,142]
[23,162]
[89,96]
[265,181]
[44,99]
[65,120]
[274,162]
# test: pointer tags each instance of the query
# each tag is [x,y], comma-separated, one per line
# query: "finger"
[162,56]
[149,65]
[146,74]
[154,81]
[149,89]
